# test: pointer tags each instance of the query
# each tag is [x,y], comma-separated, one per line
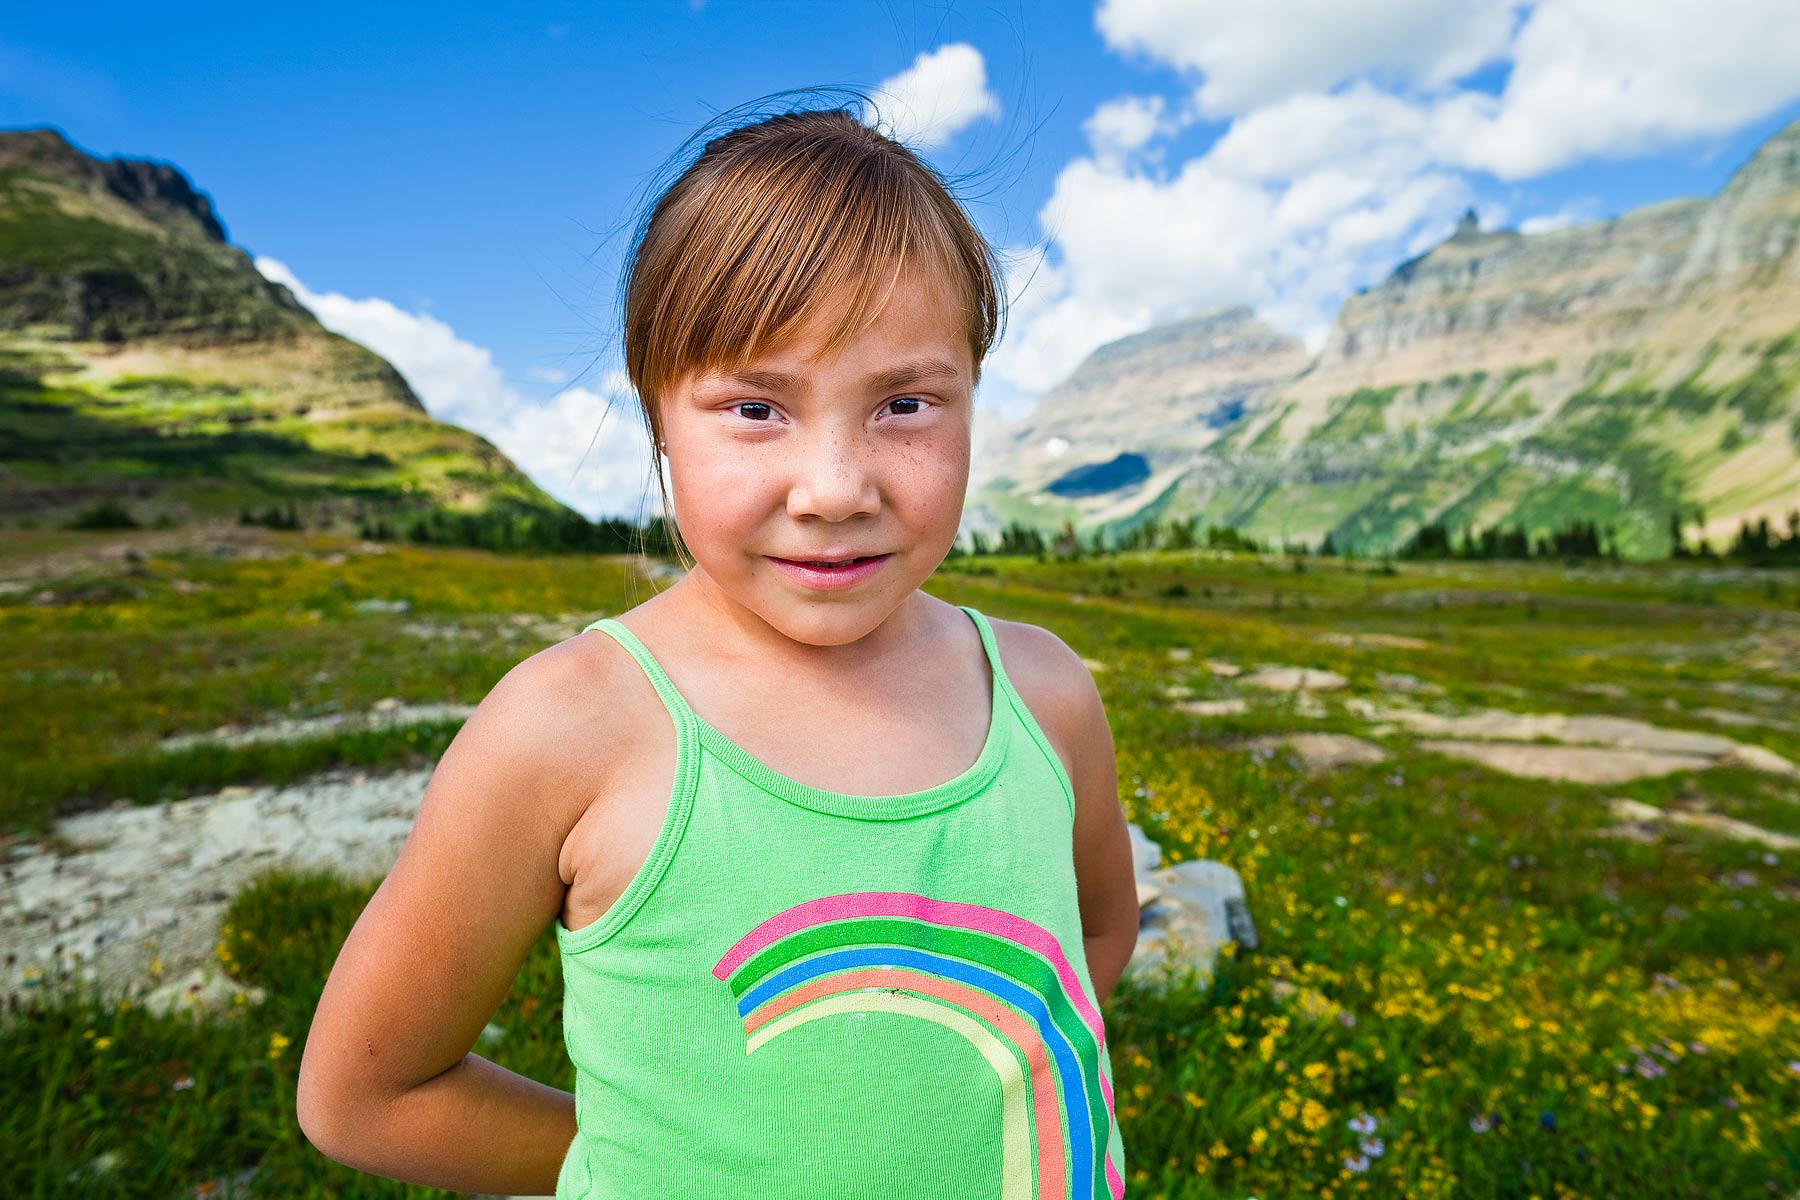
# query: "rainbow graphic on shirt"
[997,979]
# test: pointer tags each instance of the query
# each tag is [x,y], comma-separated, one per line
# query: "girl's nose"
[833,478]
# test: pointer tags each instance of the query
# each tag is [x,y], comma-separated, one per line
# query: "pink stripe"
[943,912]
[1046,1113]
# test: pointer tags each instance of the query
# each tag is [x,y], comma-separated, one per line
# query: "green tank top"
[805,993]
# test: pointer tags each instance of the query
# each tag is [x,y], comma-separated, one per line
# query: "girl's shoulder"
[575,704]
[1049,677]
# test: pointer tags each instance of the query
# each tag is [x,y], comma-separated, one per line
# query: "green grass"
[1520,1004]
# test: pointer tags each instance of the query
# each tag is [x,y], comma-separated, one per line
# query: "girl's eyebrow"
[916,371]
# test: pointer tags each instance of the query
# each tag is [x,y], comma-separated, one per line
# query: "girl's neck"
[733,631]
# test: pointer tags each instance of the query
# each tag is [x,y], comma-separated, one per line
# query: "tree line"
[521,528]
[1755,542]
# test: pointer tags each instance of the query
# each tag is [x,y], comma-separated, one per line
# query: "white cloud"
[1126,124]
[1051,325]
[1275,221]
[1578,212]
[586,448]
[1594,78]
[1252,52]
[1355,141]
[942,93]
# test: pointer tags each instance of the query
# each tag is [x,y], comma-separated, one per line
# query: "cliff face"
[116,249]
[144,358]
[1608,372]
[155,189]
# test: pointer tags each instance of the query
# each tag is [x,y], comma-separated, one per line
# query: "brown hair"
[775,219]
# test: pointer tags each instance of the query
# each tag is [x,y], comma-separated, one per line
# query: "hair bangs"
[818,244]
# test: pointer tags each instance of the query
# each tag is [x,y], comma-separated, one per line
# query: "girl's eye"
[765,409]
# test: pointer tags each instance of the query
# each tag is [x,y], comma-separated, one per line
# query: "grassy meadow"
[1468,983]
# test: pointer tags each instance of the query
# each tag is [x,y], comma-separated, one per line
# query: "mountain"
[145,361]
[1614,372]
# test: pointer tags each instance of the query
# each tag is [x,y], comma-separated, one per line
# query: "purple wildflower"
[1359,1164]
[1479,1123]
[1547,1121]
[1362,1123]
[1372,1147]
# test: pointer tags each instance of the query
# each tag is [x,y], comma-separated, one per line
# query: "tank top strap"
[686,721]
[988,645]
[1006,693]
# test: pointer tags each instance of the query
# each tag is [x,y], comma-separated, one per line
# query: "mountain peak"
[1225,330]
[1775,167]
[157,190]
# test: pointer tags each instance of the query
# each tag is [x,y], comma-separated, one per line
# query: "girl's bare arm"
[1105,876]
[388,1083]
[1063,689]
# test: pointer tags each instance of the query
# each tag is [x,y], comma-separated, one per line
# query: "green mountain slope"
[145,361]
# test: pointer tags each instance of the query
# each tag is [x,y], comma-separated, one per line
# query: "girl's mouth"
[841,573]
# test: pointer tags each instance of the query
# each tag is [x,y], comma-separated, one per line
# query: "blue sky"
[436,180]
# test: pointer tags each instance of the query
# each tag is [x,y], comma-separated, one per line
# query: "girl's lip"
[827,578]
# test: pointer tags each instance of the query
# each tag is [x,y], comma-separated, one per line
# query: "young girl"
[838,871]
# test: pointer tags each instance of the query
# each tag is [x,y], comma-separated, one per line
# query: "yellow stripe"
[1015,1111]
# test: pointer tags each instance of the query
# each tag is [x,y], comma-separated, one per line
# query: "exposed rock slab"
[1659,750]
[1394,640]
[1293,679]
[1215,708]
[1636,812]
[1400,681]
[387,712]
[1324,751]
[149,882]
[1574,764]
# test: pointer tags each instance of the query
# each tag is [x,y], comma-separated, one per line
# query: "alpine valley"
[1617,373]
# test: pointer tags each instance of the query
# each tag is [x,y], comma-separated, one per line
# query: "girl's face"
[866,453]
